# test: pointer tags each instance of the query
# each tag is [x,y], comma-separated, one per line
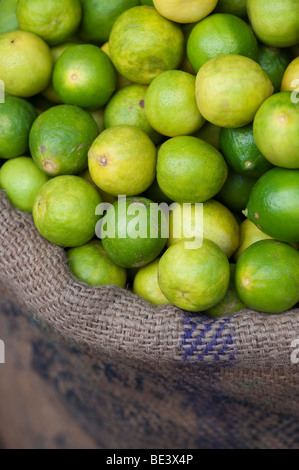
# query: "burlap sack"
[131,375]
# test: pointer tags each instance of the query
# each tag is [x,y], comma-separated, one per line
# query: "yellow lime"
[185,11]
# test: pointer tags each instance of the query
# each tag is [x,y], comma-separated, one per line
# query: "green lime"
[276,130]
[194,279]
[220,34]
[290,80]
[230,89]
[122,161]
[190,169]
[274,204]
[209,133]
[267,276]
[90,264]
[25,63]
[22,180]
[84,75]
[53,21]
[217,224]
[16,118]
[249,234]
[236,7]
[132,232]
[170,104]
[8,16]
[64,211]
[60,138]
[274,62]
[188,11]
[231,302]
[241,153]
[146,284]
[127,107]
[100,16]
[236,191]
[144,44]
[275,22]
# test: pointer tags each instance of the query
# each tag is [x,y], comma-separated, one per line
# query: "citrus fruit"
[56,52]
[241,153]
[230,89]
[8,16]
[60,139]
[84,75]
[155,193]
[274,204]
[170,104]
[132,234]
[53,21]
[100,15]
[218,225]
[236,191]
[146,284]
[190,169]
[209,133]
[127,107]
[249,234]
[218,34]
[16,118]
[236,7]
[21,180]
[144,44]
[121,81]
[231,303]
[267,276]
[290,80]
[194,279]
[274,62]
[275,22]
[185,11]
[122,161]
[276,130]
[64,211]
[91,264]
[25,63]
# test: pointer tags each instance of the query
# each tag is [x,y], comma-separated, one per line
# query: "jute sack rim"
[115,321]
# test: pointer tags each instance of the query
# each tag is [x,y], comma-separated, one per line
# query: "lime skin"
[267,276]
[146,285]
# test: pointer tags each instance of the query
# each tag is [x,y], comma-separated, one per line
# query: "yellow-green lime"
[25,63]
[290,80]
[16,118]
[91,264]
[194,279]
[53,21]
[122,161]
[144,44]
[22,180]
[127,107]
[230,89]
[84,75]
[267,276]
[146,284]
[8,16]
[133,232]
[190,169]
[170,104]
[275,22]
[185,11]
[64,211]
[217,224]
[220,34]
[274,204]
[231,302]
[236,190]
[249,234]
[99,17]
[274,62]
[60,138]
[276,130]
[235,7]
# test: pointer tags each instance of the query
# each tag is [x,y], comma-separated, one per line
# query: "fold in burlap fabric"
[245,356]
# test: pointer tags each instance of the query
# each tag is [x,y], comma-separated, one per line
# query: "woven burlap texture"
[114,320]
